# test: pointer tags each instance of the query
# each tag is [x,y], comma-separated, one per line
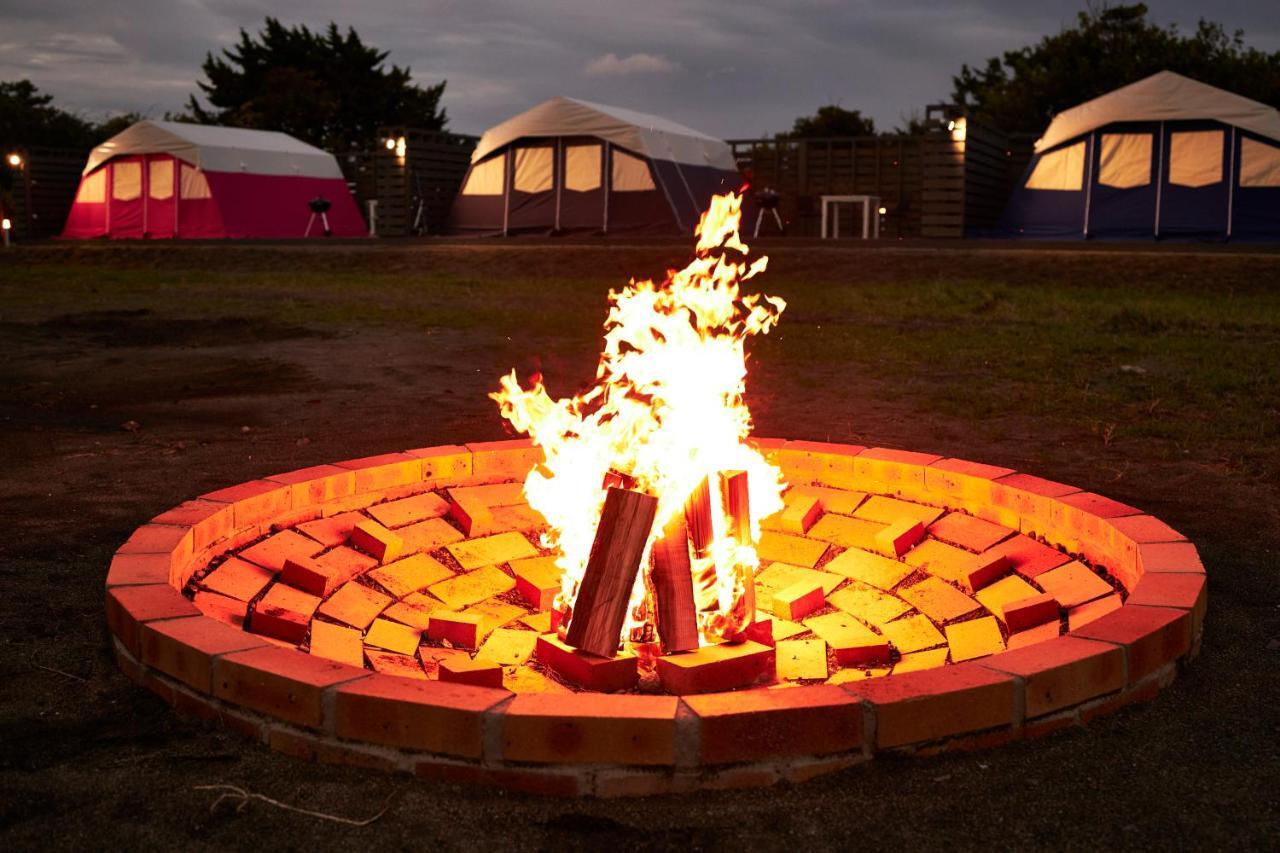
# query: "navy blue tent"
[1164,158]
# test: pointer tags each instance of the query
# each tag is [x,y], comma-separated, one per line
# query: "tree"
[29,119]
[1108,48]
[831,120]
[327,88]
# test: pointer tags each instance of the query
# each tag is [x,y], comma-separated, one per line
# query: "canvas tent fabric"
[574,166]
[162,179]
[1166,157]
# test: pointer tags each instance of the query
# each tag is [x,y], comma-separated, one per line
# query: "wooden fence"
[43,188]
[430,171]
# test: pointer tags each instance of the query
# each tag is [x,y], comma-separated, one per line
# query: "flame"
[666,410]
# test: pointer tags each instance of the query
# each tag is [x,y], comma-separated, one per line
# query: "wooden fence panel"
[43,189]
[431,171]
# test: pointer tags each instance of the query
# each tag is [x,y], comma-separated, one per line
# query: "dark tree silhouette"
[831,120]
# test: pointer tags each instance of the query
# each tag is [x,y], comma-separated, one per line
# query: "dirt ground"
[135,377]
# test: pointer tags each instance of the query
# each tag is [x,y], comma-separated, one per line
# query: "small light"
[5,224]
[15,160]
[951,125]
[400,147]
[391,144]
[883,210]
[958,128]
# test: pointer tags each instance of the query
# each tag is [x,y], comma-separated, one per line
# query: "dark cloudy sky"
[728,68]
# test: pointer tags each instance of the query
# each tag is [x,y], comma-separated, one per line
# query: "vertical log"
[672,580]
[737,508]
[697,513]
[601,607]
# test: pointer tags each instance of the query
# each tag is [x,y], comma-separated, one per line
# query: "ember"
[665,419]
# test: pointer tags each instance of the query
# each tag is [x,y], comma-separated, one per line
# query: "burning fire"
[665,415]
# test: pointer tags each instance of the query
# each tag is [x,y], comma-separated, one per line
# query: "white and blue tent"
[1165,158]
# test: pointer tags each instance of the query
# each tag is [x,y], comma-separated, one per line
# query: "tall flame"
[667,411]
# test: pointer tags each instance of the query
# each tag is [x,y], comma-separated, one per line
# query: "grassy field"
[136,377]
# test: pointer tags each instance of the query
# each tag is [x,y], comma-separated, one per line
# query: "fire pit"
[642,598]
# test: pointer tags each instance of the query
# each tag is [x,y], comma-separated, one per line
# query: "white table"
[870,214]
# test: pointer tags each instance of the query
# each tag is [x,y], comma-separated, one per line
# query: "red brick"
[1038,634]
[462,630]
[762,724]
[446,462]
[409,714]
[355,604]
[284,613]
[1098,505]
[409,510]
[1151,636]
[1083,614]
[332,530]
[237,579]
[272,552]
[986,568]
[1062,672]
[472,514]
[1029,557]
[139,569]
[281,683]
[968,532]
[899,537]
[384,471]
[800,514]
[1144,528]
[900,470]
[590,728]
[476,672]
[322,575]
[712,669]
[317,485]
[336,642]
[1073,584]
[586,670]
[210,521]
[1032,499]
[818,461]
[495,461]
[255,502]
[130,606]
[959,478]
[175,542]
[1180,557]
[537,581]
[223,608]
[1031,611]
[1183,591]
[377,541]
[798,600]
[185,648]
[922,706]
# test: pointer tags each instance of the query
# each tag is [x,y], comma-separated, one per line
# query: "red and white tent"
[165,179]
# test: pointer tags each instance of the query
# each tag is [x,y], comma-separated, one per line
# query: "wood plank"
[672,579]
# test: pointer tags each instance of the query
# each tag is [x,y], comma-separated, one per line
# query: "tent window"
[1195,158]
[582,168]
[1125,161]
[486,178]
[1062,169]
[533,169]
[1259,164]
[160,179]
[630,173]
[194,184]
[93,189]
[126,181]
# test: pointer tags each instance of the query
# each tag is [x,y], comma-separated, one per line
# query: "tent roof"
[1165,96]
[219,149]
[652,136]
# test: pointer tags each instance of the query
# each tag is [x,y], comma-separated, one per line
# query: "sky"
[732,69]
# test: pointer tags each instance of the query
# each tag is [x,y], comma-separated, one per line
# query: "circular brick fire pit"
[283,608]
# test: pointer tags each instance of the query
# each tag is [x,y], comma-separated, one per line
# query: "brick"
[1073,584]
[1160,557]
[869,568]
[846,532]
[901,470]
[238,579]
[128,607]
[761,725]
[798,600]
[1029,557]
[799,514]
[1186,592]
[384,471]
[831,464]
[959,478]
[355,604]
[916,707]
[887,510]
[968,532]
[337,643]
[1062,672]
[942,560]
[376,541]
[496,461]
[1003,591]
[1083,614]
[433,656]
[984,569]
[410,510]
[588,670]
[1024,613]
[139,569]
[415,609]
[1151,636]
[912,634]
[470,512]
[421,715]
[210,521]
[474,586]
[491,550]
[184,648]
[1032,498]
[829,499]
[284,613]
[781,575]
[222,608]
[1038,634]
[493,615]
[428,535]
[537,581]
[794,550]
[272,552]
[446,462]
[333,530]
[255,502]
[974,639]
[916,661]
[899,537]
[852,642]
[801,659]
[322,575]
[173,542]
[317,485]
[280,683]
[478,673]
[525,679]
[508,646]
[462,630]
[589,728]
[938,600]
[868,603]
[393,636]
[520,517]
[1144,529]
[410,574]
[760,631]
[848,674]
[394,663]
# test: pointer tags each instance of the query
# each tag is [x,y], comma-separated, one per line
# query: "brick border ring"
[626,744]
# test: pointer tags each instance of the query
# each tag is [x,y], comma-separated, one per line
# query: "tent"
[569,165]
[163,179]
[1165,158]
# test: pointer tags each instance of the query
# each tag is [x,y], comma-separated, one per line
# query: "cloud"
[637,63]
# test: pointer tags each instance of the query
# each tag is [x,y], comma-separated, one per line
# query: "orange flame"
[666,410]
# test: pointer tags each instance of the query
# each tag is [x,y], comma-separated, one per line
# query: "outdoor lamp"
[15,160]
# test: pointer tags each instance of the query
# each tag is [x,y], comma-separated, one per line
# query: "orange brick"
[590,728]
[818,461]
[447,462]
[491,550]
[508,646]
[1083,614]
[478,672]
[1180,557]
[1144,529]
[496,461]
[421,715]
[868,604]
[409,510]
[798,600]
[799,514]
[238,579]
[795,550]
[474,586]
[587,670]
[1029,612]
[284,613]
[916,661]
[1152,637]
[1073,584]
[322,575]
[974,639]
[222,608]
[1029,557]
[985,569]
[922,706]
[887,510]
[520,517]
[385,471]
[394,663]
[847,532]
[139,569]
[1033,499]
[897,470]
[184,648]
[393,636]
[255,502]
[853,643]
[415,609]
[1186,592]
[942,560]
[355,604]
[959,478]
[829,499]
[714,668]
[968,532]
[462,630]
[1038,634]
[333,530]
[337,643]
[281,683]
[470,512]
[899,537]
[912,634]
[272,552]
[410,574]
[537,581]
[938,600]
[1062,672]
[428,535]
[377,541]
[174,542]
[759,725]
[1003,591]
[869,568]
[801,659]
[128,607]
[210,521]
[317,485]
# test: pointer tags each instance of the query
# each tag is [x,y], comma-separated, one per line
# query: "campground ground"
[135,377]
